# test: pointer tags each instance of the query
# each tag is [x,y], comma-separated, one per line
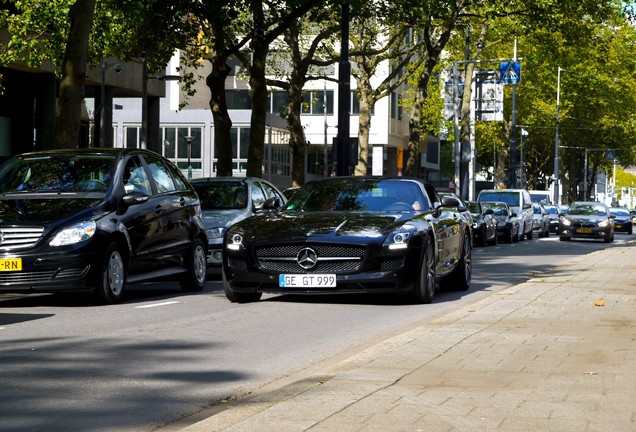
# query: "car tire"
[461,276]
[481,239]
[516,237]
[493,242]
[424,289]
[564,238]
[111,277]
[197,268]
[530,234]
[235,297]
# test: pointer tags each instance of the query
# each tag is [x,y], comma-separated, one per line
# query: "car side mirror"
[272,203]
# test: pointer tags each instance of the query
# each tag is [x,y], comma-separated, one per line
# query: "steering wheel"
[398,205]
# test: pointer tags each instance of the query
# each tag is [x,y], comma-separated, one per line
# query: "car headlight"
[399,239]
[216,232]
[603,223]
[565,221]
[74,234]
[235,240]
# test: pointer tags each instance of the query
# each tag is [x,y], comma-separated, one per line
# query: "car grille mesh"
[36,277]
[16,238]
[332,259]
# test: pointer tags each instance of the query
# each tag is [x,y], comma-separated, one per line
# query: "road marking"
[156,304]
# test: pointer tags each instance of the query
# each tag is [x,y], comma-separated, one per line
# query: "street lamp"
[102,107]
[556,138]
[188,139]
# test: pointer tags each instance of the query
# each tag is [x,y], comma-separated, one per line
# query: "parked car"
[462,208]
[350,235]
[622,219]
[632,213]
[519,201]
[587,219]
[507,222]
[484,224]
[227,200]
[97,220]
[554,213]
[540,221]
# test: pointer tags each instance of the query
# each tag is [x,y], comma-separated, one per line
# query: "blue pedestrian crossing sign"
[510,72]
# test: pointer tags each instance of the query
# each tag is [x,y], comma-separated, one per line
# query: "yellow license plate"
[584,230]
[10,264]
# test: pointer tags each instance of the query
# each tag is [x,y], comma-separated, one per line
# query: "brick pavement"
[557,353]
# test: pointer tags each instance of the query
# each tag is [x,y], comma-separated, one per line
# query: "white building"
[389,130]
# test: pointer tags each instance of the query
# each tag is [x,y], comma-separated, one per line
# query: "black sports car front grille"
[331,259]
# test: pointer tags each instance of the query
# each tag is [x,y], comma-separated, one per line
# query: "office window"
[355,104]
[314,102]
[238,99]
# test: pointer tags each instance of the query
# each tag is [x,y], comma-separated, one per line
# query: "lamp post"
[556,138]
[521,170]
[188,139]
[102,107]
[143,139]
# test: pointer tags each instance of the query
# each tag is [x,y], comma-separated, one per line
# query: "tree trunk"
[222,122]
[71,93]
[260,49]
[365,93]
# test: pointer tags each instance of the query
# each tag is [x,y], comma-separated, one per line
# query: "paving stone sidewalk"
[557,353]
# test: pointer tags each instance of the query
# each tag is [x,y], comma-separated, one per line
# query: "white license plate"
[307,280]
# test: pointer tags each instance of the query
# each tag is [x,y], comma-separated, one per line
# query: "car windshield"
[587,210]
[222,195]
[497,209]
[473,207]
[619,212]
[365,195]
[57,173]
[551,209]
[536,209]
[510,198]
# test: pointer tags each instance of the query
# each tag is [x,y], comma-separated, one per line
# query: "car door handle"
[158,209]
[182,202]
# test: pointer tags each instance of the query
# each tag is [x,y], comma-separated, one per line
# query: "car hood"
[583,218]
[42,211]
[323,225]
[223,218]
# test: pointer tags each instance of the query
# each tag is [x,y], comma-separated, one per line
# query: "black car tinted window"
[135,177]
[368,195]
[75,173]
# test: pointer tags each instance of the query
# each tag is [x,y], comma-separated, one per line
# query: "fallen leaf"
[590,373]
[599,303]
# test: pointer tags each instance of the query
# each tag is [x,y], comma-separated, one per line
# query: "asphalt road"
[162,358]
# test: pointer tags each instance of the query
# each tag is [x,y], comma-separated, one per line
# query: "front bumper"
[50,272]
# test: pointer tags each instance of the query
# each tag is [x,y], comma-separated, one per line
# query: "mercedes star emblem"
[307,258]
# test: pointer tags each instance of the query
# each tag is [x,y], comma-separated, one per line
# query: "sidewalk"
[557,353]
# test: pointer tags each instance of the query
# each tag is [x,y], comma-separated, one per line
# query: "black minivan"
[97,219]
